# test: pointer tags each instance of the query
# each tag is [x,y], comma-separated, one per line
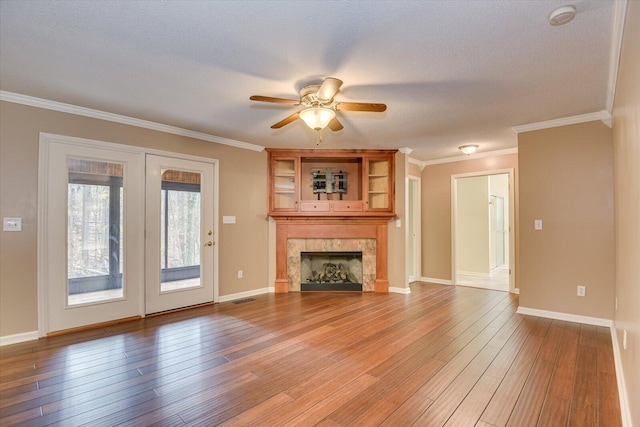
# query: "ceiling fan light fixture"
[468,149]
[317,118]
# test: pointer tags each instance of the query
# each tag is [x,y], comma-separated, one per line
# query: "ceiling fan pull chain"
[319,140]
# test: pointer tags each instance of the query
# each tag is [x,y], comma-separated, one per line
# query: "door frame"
[43,154]
[454,211]
[415,251]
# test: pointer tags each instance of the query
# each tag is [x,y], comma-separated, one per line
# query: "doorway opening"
[482,220]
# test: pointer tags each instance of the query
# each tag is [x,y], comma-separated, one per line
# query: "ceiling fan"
[319,106]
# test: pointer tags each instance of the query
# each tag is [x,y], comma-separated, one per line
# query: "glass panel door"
[180,233]
[92,235]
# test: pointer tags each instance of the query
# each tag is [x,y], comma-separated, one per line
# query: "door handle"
[209,243]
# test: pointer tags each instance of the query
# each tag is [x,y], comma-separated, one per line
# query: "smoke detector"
[562,15]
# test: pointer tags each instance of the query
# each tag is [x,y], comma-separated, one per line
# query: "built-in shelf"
[338,183]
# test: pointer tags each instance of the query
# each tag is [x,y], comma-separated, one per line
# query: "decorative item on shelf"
[468,149]
[327,181]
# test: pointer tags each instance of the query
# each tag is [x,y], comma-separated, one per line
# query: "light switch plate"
[228,219]
[11,224]
[398,223]
[537,224]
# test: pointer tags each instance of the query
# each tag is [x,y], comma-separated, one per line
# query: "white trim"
[471,156]
[436,281]
[41,261]
[18,338]
[619,12]
[473,273]
[395,290]
[405,150]
[417,162]
[117,118]
[603,116]
[622,386]
[596,321]
[516,291]
[245,294]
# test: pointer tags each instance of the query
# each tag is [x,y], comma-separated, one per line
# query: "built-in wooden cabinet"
[333,183]
[284,181]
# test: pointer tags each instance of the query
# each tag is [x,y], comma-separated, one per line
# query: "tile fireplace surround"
[366,246]
[295,236]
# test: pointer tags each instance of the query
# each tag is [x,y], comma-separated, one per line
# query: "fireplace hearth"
[331,271]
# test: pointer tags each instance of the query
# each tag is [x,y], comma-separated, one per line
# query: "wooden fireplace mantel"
[331,228]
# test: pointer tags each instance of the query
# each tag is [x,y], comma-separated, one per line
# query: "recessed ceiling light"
[562,15]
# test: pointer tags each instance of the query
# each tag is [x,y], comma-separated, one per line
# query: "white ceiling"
[450,72]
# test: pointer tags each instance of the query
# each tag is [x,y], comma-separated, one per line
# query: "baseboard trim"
[596,321]
[622,387]
[18,338]
[436,281]
[473,273]
[245,294]
[395,290]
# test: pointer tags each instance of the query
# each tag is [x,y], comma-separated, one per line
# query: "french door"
[180,240]
[121,233]
[92,219]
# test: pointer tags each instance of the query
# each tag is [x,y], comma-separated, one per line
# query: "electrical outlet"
[240,274]
[582,291]
[624,339]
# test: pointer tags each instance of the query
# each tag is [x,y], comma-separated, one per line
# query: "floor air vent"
[240,301]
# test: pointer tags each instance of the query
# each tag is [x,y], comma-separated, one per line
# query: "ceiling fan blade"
[360,106]
[285,121]
[329,88]
[276,100]
[335,124]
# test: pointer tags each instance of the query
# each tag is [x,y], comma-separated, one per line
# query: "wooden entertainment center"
[331,194]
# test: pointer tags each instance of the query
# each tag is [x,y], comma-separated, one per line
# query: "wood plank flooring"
[442,355]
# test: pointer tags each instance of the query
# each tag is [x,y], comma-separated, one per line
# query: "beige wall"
[472,225]
[436,210]
[566,180]
[243,246]
[626,149]
[397,270]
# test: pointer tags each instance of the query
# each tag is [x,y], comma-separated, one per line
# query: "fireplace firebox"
[331,271]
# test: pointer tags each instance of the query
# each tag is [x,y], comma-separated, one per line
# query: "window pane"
[180,230]
[94,231]
[183,229]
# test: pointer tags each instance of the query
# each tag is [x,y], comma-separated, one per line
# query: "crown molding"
[619,14]
[405,150]
[603,116]
[116,118]
[473,156]
[416,162]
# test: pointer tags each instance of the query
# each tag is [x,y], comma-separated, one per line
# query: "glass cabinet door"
[378,172]
[284,197]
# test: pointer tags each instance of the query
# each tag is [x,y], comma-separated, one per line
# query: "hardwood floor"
[442,355]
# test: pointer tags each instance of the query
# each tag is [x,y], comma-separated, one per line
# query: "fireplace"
[331,271]
[294,236]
